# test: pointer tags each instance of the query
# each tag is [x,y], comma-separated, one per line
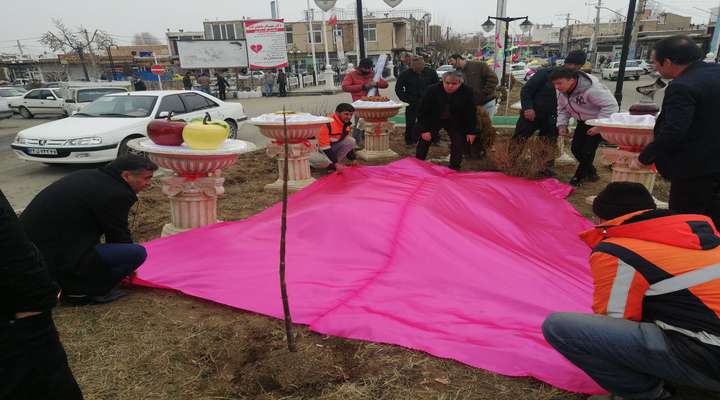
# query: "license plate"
[49,152]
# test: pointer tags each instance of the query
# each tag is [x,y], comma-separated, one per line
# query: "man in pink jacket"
[360,80]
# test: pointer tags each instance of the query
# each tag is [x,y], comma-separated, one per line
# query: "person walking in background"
[222,85]
[282,83]
[583,97]
[204,81]
[481,79]
[687,137]
[138,84]
[187,81]
[410,88]
[268,83]
[33,363]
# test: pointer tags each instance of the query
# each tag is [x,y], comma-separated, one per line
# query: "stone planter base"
[299,175]
[377,140]
[644,176]
[193,202]
[564,158]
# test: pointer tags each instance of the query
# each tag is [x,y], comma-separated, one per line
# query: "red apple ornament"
[166,132]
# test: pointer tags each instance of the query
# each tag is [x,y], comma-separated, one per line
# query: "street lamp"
[488,25]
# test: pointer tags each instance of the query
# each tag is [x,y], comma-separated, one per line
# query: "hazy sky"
[27,20]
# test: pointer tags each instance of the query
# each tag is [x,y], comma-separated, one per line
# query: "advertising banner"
[266,44]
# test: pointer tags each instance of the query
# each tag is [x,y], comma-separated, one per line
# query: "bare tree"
[146,38]
[79,41]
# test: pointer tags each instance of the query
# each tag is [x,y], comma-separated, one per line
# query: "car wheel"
[123,149]
[233,129]
[25,113]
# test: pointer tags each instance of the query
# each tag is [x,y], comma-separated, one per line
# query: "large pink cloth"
[461,265]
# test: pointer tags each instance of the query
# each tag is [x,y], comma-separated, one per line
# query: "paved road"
[21,180]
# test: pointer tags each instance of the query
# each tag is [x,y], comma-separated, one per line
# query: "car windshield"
[632,64]
[11,92]
[120,107]
[89,95]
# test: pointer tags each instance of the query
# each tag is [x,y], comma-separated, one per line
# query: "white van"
[77,95]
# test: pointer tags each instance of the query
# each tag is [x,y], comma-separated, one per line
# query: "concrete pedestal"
[299,175]
[377,140]
[193,202]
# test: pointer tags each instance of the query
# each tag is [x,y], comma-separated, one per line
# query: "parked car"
[587,67]
[78,98]
[443,69]
[45,101]
[647,67]
[101,131]
[5,111]
[11,93]
[255,75]
[519,71]
[632,70]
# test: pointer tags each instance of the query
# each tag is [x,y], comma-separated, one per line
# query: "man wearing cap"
[360,80]
[539,107]
[657,299]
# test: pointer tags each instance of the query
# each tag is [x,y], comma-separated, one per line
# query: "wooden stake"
[283,233]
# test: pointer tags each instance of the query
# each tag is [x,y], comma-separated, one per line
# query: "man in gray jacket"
[582,97]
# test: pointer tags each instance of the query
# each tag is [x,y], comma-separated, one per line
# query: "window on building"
[316,32]
[288,34]
[229,32]
[216,32]
[370,32]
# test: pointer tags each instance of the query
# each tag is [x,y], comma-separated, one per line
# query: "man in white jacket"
[582,97]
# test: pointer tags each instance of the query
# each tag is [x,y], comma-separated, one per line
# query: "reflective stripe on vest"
[684,281]
[707,338]
[620,290]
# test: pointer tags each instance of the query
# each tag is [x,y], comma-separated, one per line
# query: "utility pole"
[361,31]
[596,35]
[625,51]
[20,49]
[88,42]
[636,28]
[310,18]
[566,39]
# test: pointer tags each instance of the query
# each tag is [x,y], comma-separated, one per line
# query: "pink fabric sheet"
[460,265]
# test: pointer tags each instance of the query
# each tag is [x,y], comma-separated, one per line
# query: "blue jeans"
[122,259]
[627,358]
[491,107]
[268,89]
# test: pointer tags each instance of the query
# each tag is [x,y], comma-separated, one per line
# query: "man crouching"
[334,139]
[67,219]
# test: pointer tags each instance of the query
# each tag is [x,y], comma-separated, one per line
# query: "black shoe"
[110,296]
[575,181]
[593,177]
[84,299]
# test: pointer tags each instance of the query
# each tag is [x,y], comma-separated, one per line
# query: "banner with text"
[266,44]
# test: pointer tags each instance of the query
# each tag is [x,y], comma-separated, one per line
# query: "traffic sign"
[157,69]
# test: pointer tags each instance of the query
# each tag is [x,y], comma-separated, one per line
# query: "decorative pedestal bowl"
[374,122]
[196,184]
[300,129]
[631,140]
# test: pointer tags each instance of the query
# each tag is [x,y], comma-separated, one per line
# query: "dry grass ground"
[157,344]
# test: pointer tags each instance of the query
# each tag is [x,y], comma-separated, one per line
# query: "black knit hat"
[366,63]
[577,57]
[620,198]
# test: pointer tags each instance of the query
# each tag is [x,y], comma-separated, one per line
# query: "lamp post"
[625,51]
[489,26]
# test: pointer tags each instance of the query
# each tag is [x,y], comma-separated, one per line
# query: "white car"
[78,98]
[443,69]
[101,131]
[632,70]
[519,71]
[5,111]
[11,93]
[45,101]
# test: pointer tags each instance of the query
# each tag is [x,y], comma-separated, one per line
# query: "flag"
[333,20]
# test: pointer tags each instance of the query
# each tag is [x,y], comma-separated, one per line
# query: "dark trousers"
[282,89]
[33,363]
[544,124]
[103,269]
[584,147]
[457,146]
[696,196]
[221,93]
[411,115]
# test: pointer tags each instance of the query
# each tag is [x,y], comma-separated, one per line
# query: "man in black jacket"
[67,219]
[687,136]
[222,85]
[448,105]
[539,106]
[410,87]
[33,364]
